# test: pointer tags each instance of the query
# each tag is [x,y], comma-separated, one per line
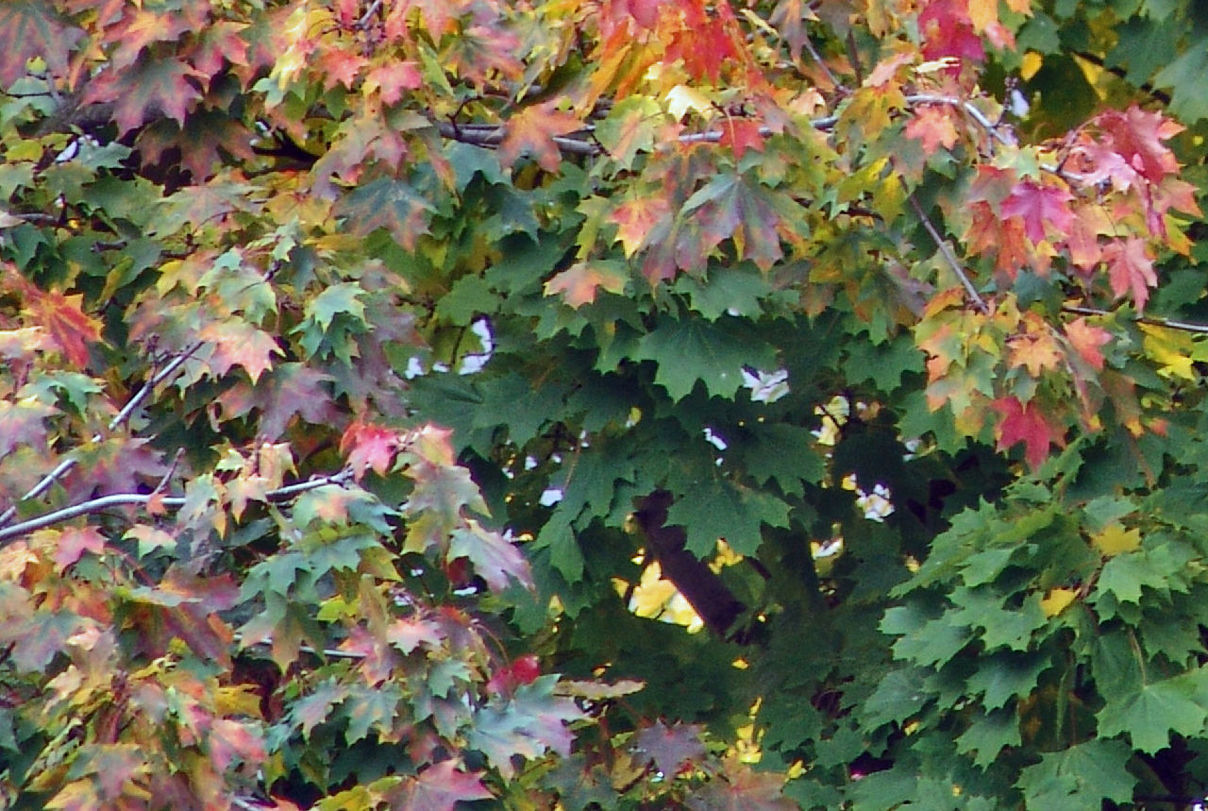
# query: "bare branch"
[123,499]
[67,464]
[949,256]
[1169,323]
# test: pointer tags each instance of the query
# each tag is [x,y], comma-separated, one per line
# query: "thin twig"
[373,7]
[809,46]
[67,464]
[949,256]
[122,499]
[1169,323]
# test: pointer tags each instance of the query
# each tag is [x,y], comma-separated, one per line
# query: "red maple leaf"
[1025,423]
[948,32]
[741,134]
[1137,136]
[439,787]
[140,29]
[145,90]
[369,446]
[532,132]
[237,343]
[636,218]
[1039,205]
[60,315]
[1130,269]
[73,542]
[393,78]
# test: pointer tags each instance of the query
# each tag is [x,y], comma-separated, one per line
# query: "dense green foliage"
[455,403]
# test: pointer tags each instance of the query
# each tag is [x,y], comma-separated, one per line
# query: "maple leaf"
[141,28]
[1039,205]
[1087,340]
[73,542]
[369,446]
[528,723]
[672,748]
[145,90]
[532,132]
[636,220]
[61,316]
[1037,349]
[1130,269]
[1025,424]
[338,66]
[290,390]
[391,79]
[495,559]
[229,739]
[741,134]
[439,787]
[579,283]
[237,343]
[743,789]
[948,32]
[932,124]
[220,41]
[30,29]
[390,204]
[408,634]
[1137,136]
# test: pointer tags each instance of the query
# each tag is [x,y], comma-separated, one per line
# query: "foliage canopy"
[388,383]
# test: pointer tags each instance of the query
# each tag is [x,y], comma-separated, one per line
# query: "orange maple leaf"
[60,316]
[635,219]
[532,131]
[579,283]
[1087,340]
[933,126]
[1035,351]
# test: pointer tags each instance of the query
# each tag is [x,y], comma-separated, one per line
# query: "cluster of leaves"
[364,360]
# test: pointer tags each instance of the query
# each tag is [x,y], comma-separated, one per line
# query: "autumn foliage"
[602,404]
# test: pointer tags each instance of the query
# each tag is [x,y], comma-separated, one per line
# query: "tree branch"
[1169,323]
[949,256]
[174,502]
[67,464]
[699,584]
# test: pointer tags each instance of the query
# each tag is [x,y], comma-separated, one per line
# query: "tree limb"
[121,499]
[699,584]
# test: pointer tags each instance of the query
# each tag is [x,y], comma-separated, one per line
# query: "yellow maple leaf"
[1056,601]
[1115,539]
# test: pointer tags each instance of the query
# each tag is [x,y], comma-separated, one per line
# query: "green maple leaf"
[785,453]
[988,735]
[370,708]
[1080,777]
[495,559]
[690,350]
[715,508]
[1150,714]
[529,723]
[1004,675]
[313,709]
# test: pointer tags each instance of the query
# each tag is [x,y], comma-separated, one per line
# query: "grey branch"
[67,464]
[173,502]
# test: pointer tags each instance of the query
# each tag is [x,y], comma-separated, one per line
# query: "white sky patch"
[475,361]
[715,440]
[550,497]
[766,387]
